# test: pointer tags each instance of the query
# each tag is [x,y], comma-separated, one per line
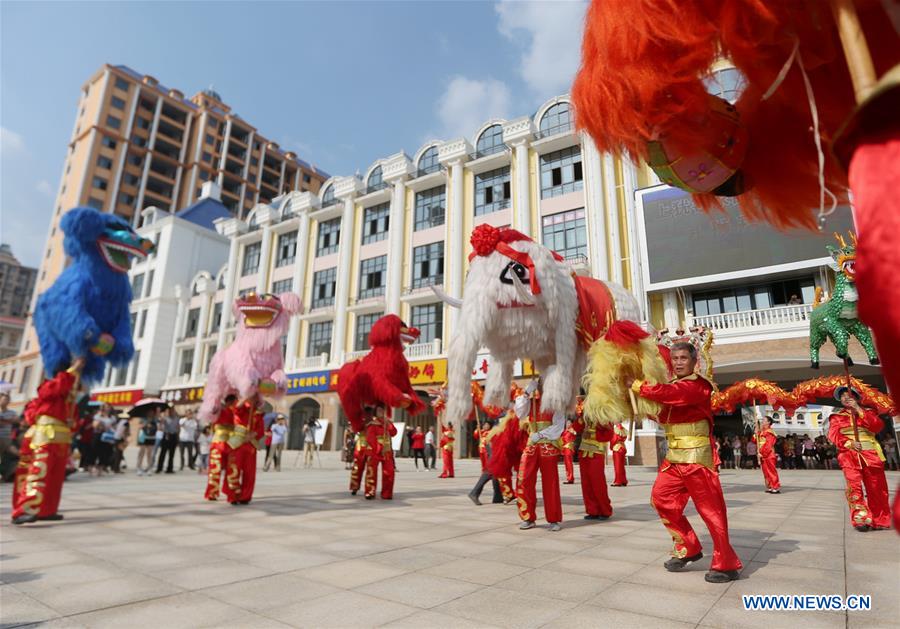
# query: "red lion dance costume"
[380,378]
[640,90]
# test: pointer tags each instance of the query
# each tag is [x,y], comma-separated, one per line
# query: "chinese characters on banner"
[420,372]
[119,398]
[310,382]
[483,363]
[187,395]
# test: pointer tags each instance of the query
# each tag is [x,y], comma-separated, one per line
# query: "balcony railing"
[578,259]
[348,356]
[312,362]
[501,148]
[414,352]
[381,185]
[761,320]
[561,129]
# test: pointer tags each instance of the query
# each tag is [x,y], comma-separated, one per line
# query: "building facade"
[16,289]
[137,144]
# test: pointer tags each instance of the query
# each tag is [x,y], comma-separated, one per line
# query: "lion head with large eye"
[520,302]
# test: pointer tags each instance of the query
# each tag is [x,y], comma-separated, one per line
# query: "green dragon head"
[844,257]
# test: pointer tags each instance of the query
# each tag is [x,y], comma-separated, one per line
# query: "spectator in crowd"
[737,451]
[9,421]
[889,445]
[278,430]
[408,433]
[347,450]
[417,445]
[309,441]
[788,453]
[809,452]
[83,440]
[104,438]
[430,452]
[267,437]
[204,439]
[794,301]
[187,436]
[146,438]
[752,459]
[170,428]
[122,432]
[725,452]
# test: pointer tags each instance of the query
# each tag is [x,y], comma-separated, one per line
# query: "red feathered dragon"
[381,377]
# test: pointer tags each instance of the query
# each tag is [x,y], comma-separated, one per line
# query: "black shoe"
[56,517]
[720,576]
[25,519]
[370,497]
[170,471]
[474,499]
[245,502]
[675,564]
[569,482]
[353,493]
[862,528]
[596,517]
[234,503]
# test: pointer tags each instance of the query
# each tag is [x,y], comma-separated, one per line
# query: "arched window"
[557,119]
[429,163]
[727,83]
[328,196]
[375,182]
[490,141]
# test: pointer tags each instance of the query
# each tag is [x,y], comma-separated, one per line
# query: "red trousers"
[219,456]
[568,455]
[543,457]
[387,475]
[593,485]
[674,485]
[770,472]
[447,459]
[42,488]
[242,473]
[26,455]
[358,469]
[873,508]
[618,457]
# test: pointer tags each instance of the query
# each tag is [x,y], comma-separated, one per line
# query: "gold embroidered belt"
[867,440]
[689,443]
[48,430]
[222,432]
[240,436]
[591,447]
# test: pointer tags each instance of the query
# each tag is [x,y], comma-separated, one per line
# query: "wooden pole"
[859,455]
[856,51]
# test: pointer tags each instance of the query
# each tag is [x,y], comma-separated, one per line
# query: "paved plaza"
[149,552]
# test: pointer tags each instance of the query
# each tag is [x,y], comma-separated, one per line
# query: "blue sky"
[341,83]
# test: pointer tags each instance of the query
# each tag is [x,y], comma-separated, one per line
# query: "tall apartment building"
[137,144]
[16,287]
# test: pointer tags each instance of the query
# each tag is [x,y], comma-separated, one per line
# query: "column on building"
[206,287]
[595,208]
[671,316]
[230,228]
[182,296]
[148,157]
[224,156]
[396,170]
[518,134]
[346,189]
[454,155]
[265,216]
[611,208]
[301,205]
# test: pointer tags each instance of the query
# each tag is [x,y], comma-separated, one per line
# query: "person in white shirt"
[309,441]
[279,438]
[203,442]
[187,435]
[430,452]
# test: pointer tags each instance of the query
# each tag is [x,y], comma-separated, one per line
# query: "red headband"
[486,239]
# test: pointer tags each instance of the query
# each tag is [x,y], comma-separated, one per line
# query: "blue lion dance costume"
[86,312]
[83,322]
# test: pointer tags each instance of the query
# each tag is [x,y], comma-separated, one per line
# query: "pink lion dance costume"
[252,365]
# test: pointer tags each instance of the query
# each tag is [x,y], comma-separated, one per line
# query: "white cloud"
[44,187]
[467,103]
[552,34]
[10,141]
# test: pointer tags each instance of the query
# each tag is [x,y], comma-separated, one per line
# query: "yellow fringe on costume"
[606,400]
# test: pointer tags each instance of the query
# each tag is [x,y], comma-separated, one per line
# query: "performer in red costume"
[482,435]
[541,453]
[378,436]
[48,441]
[688,470]
[448,436]
[26,455]
[617,445]
[765,441]
[507,445]
[861,459]
[249,428]
[220,451]
[591,464]
[568,452]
